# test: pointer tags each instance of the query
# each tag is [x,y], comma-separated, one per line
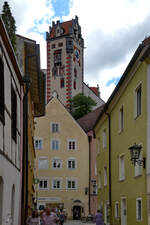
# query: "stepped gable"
[88,121]
[66,26]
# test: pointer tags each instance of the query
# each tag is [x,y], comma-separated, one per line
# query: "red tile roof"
[95,90]
[65,25]
[88,121]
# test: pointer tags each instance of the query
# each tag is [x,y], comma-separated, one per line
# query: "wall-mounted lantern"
[135,152]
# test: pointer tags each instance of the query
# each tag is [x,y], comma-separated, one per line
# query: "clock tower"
[65,47]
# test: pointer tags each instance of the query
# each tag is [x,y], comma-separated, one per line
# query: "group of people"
[47,217]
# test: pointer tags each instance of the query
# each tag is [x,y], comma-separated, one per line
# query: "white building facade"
[10,132]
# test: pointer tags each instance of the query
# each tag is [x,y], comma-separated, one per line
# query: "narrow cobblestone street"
[77,222]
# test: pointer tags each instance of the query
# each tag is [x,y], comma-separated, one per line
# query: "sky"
[112,31]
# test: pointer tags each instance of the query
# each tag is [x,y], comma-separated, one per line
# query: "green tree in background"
[10,23]
[81,105]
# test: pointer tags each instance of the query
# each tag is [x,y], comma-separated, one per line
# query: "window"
[1,90]
[74,84]
[75,72]
[60,44]
[116,210]
[121,120]
[57,57]
[55,144]
[71,183]
[62,83]
[56,183]
[13,114]
[94,187]
[53,46]
[43,183]
[104,138]
[55,127]
[71,144]
[105,176]
[138,169]
[139,209]
[43,163]
[38,144]
[71,164]
[57,163]
[121,168]
[138,101]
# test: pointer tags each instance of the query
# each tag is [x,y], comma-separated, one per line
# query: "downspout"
[89,139]
[110,192]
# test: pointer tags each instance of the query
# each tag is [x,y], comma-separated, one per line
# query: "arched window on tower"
[75,72]
[62,83]
[74,84]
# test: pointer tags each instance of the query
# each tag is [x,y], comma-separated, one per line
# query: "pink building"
[87,122]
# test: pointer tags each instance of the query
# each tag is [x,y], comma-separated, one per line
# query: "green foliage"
[81,105]
[10,23]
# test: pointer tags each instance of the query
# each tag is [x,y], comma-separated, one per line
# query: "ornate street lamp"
[135,151]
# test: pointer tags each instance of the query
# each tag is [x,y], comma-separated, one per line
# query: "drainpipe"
[24,213]
[89,139]
[110,192]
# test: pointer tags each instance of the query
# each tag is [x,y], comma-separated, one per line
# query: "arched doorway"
[12,204]
[1,199]
[77,212]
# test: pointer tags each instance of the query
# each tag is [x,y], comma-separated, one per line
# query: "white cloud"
[112,31]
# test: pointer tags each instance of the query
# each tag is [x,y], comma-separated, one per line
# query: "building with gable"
[62,161]
[87,123]
[11,126]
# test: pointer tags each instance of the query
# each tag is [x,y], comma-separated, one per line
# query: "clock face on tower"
[77,54]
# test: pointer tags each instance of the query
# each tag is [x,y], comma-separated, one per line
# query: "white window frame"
[121,119]
[42,144]
[58,161]
[136,105]
[71,179]
[56,127]
[138,169]
[116,209]
[122,167]
[56,179]
[43,179]
[71,140]
[137,209]
[43,158]
[55,140]
[72,160]
[105,176]
[104,139]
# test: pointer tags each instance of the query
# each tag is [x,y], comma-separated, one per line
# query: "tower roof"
[66,26]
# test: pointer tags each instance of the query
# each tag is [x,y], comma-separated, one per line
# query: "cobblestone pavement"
[77,222]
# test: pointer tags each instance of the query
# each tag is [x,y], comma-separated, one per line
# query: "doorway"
[123,211]
[76,212]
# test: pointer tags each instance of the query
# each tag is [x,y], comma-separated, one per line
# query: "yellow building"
[62,161]
[124,188]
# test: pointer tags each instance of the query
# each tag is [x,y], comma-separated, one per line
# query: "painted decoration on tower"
[76,55]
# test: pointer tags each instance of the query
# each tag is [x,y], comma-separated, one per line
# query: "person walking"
[34,219]
[99,218]
[50,218]
[61,217]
